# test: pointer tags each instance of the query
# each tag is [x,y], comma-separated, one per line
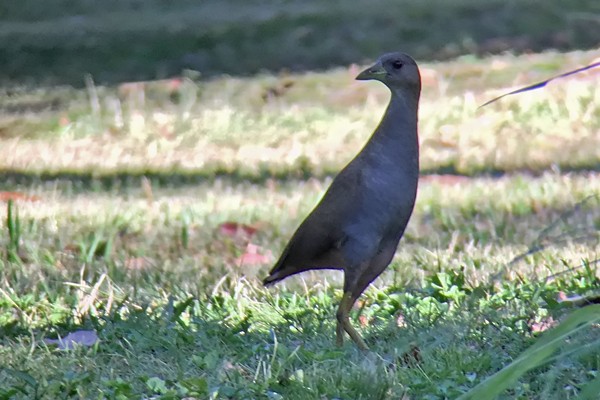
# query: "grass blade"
[590,391]
[535,356]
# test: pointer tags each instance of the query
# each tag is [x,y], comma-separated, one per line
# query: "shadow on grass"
[86,180]
[214,344]
[250,356]
[240,355]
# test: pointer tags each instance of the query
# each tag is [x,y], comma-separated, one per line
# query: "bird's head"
[396,71]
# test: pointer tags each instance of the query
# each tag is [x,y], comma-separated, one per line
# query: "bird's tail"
[278,272]
[271,280]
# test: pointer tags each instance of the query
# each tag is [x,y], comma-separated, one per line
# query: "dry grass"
[316,122]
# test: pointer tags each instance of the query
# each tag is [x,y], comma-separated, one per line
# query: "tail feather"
[278,273]
[271,280]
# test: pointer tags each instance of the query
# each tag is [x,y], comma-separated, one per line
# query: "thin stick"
[542,83]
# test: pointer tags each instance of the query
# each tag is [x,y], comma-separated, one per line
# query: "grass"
[304,125]
[178,316]
[145,214]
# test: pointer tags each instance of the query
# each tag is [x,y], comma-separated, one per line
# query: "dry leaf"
[363,320]
[400,321]
[253,256]
[81,338]
[16,196]
[136,263]
[233,229]
[578,301]
[413,355]
[543,325]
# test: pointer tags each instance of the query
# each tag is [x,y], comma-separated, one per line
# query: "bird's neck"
[396,139]
[401,119]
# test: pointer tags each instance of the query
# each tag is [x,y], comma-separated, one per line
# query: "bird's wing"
[317,239]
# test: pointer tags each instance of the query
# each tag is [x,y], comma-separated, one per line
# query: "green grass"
[121,192]
[189,319]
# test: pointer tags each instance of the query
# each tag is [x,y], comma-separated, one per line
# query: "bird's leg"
[340,315]
[343,322]
[339,334]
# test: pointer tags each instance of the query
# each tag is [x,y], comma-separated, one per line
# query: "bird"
[358,223]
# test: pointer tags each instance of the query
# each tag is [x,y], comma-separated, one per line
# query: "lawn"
[142,216]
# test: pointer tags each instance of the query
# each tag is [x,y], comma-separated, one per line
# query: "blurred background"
[123,40]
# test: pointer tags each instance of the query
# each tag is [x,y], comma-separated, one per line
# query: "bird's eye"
[397,64]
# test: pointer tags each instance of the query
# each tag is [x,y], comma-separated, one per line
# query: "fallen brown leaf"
[253,256]
[413,355]
[543,325]
[16,196]
[136,263]
[234,229]
[81,338]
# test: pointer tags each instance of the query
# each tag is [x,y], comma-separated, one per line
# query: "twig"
[542,83]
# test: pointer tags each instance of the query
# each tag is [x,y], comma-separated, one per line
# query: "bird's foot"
[344,323]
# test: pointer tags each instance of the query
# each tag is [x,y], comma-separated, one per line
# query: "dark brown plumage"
[358,223]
